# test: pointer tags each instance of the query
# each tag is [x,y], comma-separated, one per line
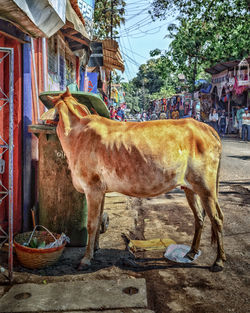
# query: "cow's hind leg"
[99,226]
[214,212]
[94,201]
[199,215]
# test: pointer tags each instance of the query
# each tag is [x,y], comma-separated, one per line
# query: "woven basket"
[37,258]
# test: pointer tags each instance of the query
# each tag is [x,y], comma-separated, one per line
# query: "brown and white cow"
[141,160]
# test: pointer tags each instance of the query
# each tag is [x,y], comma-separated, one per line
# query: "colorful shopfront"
[38,52]
[230,87]
[181,103]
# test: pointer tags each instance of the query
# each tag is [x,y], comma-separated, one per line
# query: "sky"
[140,35]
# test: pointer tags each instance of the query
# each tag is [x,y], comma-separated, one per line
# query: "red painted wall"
[4,129]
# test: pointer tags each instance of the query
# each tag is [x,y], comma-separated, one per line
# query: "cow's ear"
[54,99]
[67,93]
[49,115]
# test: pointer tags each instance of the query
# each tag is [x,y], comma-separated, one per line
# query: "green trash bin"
[61,207]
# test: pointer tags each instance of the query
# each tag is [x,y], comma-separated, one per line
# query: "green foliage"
[149,77]
[156,79]
[108,12]
[206,32]
[202,9]
[116,78]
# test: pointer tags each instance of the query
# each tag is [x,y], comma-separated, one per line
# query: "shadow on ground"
[104,258]
[241,157]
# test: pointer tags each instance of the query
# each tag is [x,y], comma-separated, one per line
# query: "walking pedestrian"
[163,116]
[240,111]
[222,123]
[120,114]
[246,125]
[112,112]
[213,118]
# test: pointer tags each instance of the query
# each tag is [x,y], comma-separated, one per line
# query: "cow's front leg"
[94,201]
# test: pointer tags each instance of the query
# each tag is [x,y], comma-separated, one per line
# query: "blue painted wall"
[27,120]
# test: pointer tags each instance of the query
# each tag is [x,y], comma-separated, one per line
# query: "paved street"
[171,287]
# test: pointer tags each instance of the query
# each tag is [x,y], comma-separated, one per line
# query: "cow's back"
[142,158]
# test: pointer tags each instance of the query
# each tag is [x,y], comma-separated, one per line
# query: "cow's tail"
[218,209]
[217,177]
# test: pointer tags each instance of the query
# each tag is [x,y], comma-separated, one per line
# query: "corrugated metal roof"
[220,67]
[26,15]
[111,55]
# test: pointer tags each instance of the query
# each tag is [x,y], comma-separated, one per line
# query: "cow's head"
[66,105]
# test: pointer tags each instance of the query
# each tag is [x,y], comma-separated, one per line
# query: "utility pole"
[111,36]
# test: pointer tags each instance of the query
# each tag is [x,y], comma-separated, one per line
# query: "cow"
[141,159]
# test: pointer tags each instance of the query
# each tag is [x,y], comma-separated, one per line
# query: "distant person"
[181,110]
[213,119]
[175,115]
[240,111]
[138,117]
[153,117]
[144,116]
[246,125]
[120,114]
[112,112]
[222,123]
[163,116]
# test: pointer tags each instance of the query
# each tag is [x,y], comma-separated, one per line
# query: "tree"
[206,32]
[149,77]
[156,79]
[117,79]
[131,96]
[108,16]
[202,9]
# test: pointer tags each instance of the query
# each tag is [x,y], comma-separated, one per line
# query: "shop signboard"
[87,9]
[90,82]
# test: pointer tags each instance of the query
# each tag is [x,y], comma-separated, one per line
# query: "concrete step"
[76,296]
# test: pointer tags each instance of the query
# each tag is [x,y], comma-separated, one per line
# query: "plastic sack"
[177,253]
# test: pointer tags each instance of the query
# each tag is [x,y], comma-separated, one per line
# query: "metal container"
[61,207]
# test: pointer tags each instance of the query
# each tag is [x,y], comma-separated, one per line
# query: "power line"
[126,67]
[143,57]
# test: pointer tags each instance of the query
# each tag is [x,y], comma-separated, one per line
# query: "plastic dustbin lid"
[89,99]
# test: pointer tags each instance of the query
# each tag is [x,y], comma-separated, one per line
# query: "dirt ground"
[172,287]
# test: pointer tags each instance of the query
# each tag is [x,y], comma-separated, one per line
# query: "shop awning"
[220,67]
[74,30]
[112,58]
[41,18]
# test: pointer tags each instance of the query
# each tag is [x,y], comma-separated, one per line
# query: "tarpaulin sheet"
[153,244]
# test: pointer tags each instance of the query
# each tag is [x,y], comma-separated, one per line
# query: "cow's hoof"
[217,267]
[84,265]
[191,255]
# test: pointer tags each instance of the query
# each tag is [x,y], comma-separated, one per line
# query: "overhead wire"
[137,30]
[125,60]
[127,33]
